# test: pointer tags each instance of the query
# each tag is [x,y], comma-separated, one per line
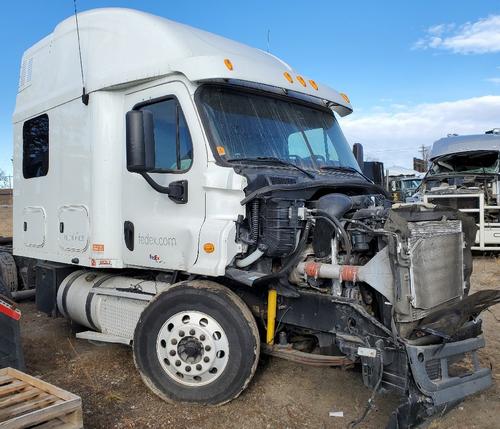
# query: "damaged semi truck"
[465,174]
[198,201]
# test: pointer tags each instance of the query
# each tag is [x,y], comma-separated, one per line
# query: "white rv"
[194,197]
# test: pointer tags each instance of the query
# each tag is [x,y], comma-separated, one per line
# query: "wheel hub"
[192,348]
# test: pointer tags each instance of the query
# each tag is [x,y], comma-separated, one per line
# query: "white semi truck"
[196,199]
[465,174]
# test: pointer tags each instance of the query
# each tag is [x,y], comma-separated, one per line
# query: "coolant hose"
[250,259]
[339,227]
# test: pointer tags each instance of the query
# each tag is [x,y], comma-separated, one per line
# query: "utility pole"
[423,150]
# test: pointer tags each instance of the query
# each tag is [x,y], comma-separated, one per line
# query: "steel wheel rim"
[192,348]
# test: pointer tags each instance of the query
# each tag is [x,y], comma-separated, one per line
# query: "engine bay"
[387,283]
[359,247]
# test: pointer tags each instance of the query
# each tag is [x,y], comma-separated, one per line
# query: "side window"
[173,145]
[36,147]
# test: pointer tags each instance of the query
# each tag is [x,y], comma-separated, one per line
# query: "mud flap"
[10,340]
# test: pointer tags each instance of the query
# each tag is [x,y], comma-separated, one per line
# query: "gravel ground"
[282,394]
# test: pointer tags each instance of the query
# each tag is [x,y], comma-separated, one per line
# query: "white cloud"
[480,37]
[495,80]
[394,136]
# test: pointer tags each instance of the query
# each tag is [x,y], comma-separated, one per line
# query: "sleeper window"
[36,147]
[173,146]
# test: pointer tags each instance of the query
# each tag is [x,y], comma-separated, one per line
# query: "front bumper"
[443,375]
[449,372]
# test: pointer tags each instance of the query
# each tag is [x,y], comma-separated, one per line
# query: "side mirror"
[357,150]
[140,141]
[141,154]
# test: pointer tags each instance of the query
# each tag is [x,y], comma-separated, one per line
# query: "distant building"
[5,212]
[420,165]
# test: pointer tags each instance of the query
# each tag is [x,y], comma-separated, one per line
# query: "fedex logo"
[155,258]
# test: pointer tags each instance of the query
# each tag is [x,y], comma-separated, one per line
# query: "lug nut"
[198,367]
[181,333]
[177,363]
[174,342]
[192,332]
[206,359]
[208,348]
[188,368]
[172,352]
[202,337]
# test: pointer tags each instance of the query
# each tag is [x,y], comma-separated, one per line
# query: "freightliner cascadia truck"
[195,198]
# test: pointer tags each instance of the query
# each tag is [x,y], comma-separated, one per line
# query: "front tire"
[197,342]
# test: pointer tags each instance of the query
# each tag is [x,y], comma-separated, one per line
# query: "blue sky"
[414,70]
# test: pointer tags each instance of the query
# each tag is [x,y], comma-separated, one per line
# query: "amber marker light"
[288,77]
[209,247]
[313,84]
[301,80]
[228,64]
[345,97]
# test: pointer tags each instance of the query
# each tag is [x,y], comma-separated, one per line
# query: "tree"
[5,181]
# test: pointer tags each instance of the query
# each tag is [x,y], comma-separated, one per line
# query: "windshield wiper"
[272,159]
[344,168]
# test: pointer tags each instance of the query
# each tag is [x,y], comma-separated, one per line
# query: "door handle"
[128,233]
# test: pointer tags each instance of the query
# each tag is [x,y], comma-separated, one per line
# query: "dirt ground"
[282,394]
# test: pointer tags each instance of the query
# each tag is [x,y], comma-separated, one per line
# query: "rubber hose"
[250,259]
[340,228]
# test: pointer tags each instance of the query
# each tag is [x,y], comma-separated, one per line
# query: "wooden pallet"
[27,402]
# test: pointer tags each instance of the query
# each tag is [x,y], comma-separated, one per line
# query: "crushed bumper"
[450,372]
[443,375]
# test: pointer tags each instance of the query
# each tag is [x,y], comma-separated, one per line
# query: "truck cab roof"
[122,47]
[471,143]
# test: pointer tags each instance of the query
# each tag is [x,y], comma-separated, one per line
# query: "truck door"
[158,232]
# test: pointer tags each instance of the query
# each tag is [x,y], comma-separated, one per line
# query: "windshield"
[466,162]
[411,184]
[246,126]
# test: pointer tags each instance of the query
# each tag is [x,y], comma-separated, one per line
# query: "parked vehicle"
[402,183]
[465,175]
[402,188]
[198,201]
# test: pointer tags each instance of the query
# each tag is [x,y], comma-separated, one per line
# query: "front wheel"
[197,342]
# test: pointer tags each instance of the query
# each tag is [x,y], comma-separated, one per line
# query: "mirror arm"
[156,186]
[177,191]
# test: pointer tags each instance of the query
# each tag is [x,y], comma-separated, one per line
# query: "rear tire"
[197,342]
[8,271]
[4,291]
